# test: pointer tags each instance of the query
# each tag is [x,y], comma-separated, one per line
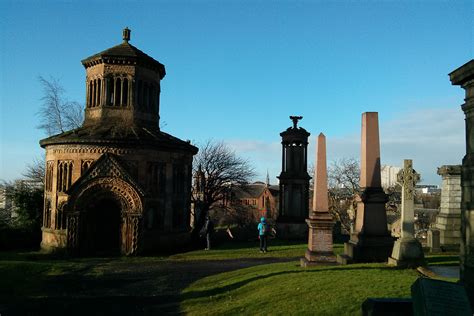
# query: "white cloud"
[431,137]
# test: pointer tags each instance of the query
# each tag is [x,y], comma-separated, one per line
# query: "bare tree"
[343,178]
[35,171]
[221,169]
[56,113]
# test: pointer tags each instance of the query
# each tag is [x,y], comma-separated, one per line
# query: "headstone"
[371,240]
[464,77]
[433,240]
[436,297]
[387,307]
[320,222]
[407,250]
[448,221]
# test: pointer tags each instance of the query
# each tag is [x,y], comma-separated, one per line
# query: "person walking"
[263,231]
[206,231]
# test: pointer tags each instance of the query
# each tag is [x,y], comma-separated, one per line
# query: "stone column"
[371,240]
[320,223]
[464,77]
[407,251]
[448,221]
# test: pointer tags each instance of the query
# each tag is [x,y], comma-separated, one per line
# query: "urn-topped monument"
[294,182]
[117,184]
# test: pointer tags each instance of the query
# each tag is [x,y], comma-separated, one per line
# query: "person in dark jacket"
[207,231]
[263,230]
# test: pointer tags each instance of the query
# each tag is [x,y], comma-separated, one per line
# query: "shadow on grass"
[236,285]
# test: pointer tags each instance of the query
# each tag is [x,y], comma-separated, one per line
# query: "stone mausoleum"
[118,184]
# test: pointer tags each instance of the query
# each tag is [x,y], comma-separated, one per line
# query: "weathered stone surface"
[435,297]
[320,222]
[371,240]
[407,251]
[448,221]
[117,184]
[464,77]
[294,183]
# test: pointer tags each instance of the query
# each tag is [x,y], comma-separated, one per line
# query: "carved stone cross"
[408,178]
[295,120]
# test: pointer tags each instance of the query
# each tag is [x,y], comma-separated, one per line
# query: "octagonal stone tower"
[118,184]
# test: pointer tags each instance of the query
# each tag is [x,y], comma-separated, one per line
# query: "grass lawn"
[233,278]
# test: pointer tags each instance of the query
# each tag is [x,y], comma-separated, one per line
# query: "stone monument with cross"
[407,250]
[320,222]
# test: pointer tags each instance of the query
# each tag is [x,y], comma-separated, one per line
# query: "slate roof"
[125,53]
[254,190]
[133,135]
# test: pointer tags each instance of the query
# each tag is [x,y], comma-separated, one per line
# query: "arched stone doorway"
[102,226]
[105,218]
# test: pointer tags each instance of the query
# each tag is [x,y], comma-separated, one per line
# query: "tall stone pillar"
[407,251]
[464,77]
[320,222]
[294,183]
[371,240]
[448,221]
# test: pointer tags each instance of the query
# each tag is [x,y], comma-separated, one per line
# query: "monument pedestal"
[320,246]
[407,252]
[366,249]
[291,230]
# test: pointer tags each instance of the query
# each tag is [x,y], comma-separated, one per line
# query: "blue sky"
[237,69]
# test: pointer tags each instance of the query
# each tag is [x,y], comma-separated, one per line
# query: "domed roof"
[125,53]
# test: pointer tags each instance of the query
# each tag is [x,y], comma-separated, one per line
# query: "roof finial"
[295,120]
[126,34]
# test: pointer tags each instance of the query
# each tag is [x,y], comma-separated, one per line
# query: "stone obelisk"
[464,77]
[407,251]
[371,240]
[320,222]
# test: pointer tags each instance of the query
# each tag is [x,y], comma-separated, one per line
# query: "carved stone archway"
[131,212]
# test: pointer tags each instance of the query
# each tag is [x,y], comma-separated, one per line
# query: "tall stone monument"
[407,251]
[320,222]
[448,221]
[294,182]
[464,77]
[371,241]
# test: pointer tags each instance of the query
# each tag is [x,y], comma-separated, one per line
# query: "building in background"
[389,176]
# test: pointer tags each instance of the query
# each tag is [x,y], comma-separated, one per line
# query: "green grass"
[286,288]
[245,250]
[267,288]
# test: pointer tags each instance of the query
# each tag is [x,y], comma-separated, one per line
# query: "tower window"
[110,91]
[118,91]
[99,88]
[125,92]
[89,92]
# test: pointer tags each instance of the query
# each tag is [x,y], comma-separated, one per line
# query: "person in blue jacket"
[263,230]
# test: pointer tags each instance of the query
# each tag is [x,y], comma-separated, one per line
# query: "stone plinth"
[320,222]
[448,221]
[371,240]
[464,77]
[433,240]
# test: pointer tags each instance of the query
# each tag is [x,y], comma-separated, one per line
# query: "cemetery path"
[122,287]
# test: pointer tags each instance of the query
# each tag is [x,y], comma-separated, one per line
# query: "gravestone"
[433,240]
[436,297]
[371,240]
[448,221]
[464,77]
[320,222]
[407,250]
